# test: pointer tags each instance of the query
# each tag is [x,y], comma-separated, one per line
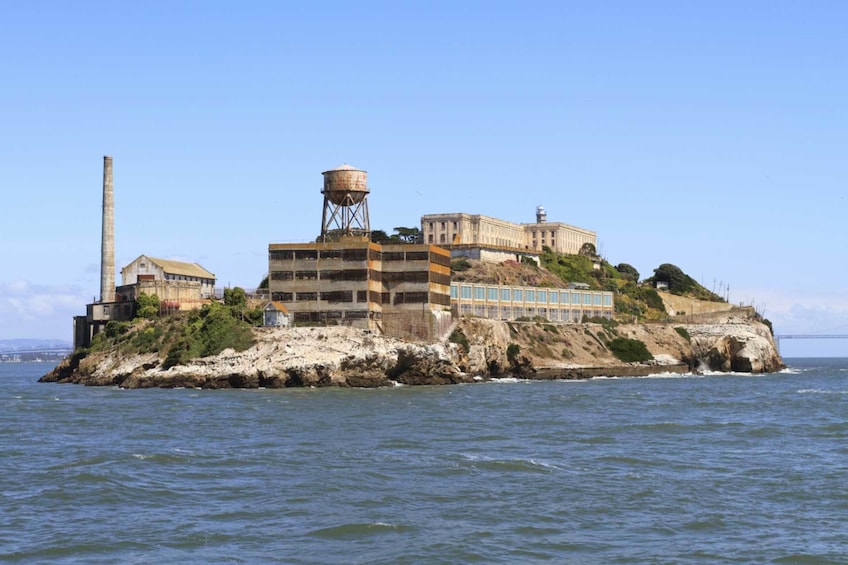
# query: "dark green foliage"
[630,350]
[264,283]
[628,271]
[219,330]
[683,333]
[147,306]
[235,297]
[680,283]
[767,322]
[407,235]
[512,352]
[114,328]
[650,297]
[147,340]
[379,236]
[588,250]
[569,268]
[458,337]
[460,264]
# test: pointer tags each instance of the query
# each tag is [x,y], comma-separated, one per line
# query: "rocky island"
[479,349]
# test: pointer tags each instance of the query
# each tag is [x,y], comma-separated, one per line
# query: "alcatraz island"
[463,298]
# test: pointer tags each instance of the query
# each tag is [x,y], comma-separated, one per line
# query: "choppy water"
[715,469]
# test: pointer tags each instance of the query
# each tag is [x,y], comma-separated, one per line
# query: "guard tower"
[345,204]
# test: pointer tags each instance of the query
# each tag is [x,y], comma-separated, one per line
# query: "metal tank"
[345,204]
[345,185]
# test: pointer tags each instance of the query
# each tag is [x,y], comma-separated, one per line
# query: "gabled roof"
[181,268]
[277,305]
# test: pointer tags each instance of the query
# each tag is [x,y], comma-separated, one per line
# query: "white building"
[457,230]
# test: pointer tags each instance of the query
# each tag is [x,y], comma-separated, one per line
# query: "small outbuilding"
[276,315]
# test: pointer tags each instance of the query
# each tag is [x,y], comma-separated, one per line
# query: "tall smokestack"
[107,242]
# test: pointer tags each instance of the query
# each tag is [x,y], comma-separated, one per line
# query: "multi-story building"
[501,302]
[459,230]
[397,290]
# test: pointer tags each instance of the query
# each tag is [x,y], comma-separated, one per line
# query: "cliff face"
[287,357]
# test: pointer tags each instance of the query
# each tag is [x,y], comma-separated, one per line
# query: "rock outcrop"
[347,357]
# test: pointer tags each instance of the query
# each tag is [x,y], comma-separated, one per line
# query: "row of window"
[362,296]
[515,312]
[362,275]
[356,255]
[543,296]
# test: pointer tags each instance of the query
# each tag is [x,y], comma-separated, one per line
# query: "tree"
[677,280]
[147,306]
[264,283]
[235,297]
[588,250]
[379,236]
[408,235]
[628,271]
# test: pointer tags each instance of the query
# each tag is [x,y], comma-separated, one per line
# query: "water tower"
[345,203]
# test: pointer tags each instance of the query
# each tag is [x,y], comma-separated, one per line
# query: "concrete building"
[463,231]
[397,290]
[500,302]
[146,268]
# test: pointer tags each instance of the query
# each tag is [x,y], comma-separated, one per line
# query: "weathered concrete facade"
[395,290]
[145,268]
[461,229]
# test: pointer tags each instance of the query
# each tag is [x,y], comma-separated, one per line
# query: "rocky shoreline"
[347,357]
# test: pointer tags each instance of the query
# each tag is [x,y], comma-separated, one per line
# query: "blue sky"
[710,135]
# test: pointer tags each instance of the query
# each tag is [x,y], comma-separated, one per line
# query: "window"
[442,238]
[430,238]
[587,298]
[597,300]
[608,300]
[517,295]
[554,297]
[453,291]
[542,296]
[455,226]
[505,294]
[443,225]
[530,295]
[466,292]
[479,293]
[575,298]
[491,294]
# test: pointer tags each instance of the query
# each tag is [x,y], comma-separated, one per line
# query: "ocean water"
[684,469]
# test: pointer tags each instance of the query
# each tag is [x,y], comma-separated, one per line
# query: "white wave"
[820,391]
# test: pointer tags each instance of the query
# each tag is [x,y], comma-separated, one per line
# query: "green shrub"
[147,306]
[460,264]
[630,350]
[683,333]
[458,337]
[512,352]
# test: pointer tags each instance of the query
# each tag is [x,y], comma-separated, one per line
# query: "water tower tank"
[345,185]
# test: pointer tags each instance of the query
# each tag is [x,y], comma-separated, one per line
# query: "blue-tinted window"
[453,291]
[587,298]
[554,298]
[491,293]
[479,293]
[505,294]
[466,292]
[516,295]
[542,296]
[530,295]
[608,300]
